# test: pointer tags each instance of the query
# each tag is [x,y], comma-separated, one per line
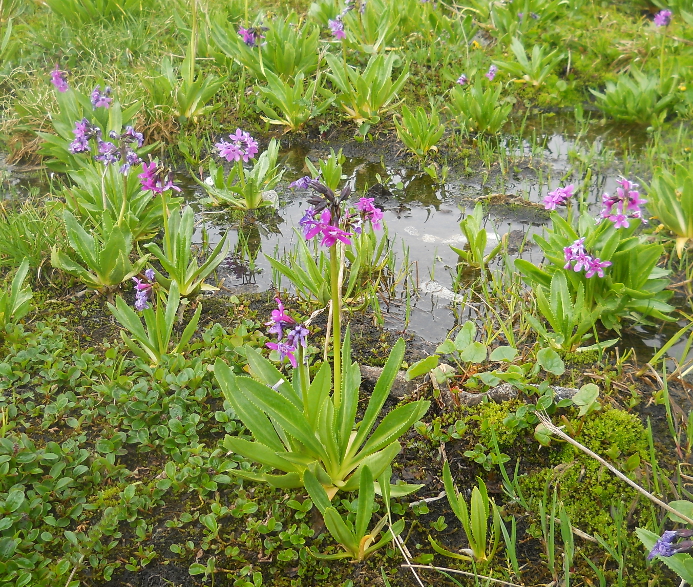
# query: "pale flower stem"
[336,326]
[558,432]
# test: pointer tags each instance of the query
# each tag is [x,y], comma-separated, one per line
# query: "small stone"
[400,387]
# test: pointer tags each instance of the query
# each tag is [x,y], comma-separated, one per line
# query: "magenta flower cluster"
[370,212]
[577,254]
[59,79]
[313,225]
[623,205]
[463,80]
[156,178]
[101,99]
[492,71]
[558,197]
[242,146]
[297,336]
[143,289]
[663,18]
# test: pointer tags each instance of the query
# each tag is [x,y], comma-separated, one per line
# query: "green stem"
[193,42]
[167,237]
[336,325]
[661,63]
[304,378]
[123,206]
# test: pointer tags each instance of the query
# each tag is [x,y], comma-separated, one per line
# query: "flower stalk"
[336,325]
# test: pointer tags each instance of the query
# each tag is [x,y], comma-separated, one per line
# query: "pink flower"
[663,18]
[370,212]
[156,179]
[59,79]
[558,197]
[596,266]
[278,320]
[243,146]
[330,234]
[337,28]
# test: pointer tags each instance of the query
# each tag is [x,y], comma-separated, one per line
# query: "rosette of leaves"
[103,257]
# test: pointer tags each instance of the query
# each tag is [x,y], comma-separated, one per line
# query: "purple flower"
[131,158]
[131,136]
[243,146]
[108,153]
[285,350]
[492,71]
[558,197]
[308,222]
[84,132]
[250,36]
[143,291]
[302,183]
[330,234]
[156,179]
[59,79]
[298,337]
[370,212]
[462,80]
[576,253]
[534,15]
[337,28]
[666,546]
[101,99]
[663,18]
[278,320]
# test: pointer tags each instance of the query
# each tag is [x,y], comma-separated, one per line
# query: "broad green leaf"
[365,504]
[503,353]
[282,411]
[422,367]
[474,353]
[380,394]
[549,360]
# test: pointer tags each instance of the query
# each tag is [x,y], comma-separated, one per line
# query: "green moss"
[490,416]
[611,429]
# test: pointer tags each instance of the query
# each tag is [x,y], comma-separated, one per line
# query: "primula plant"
[290,103]
[178,259]
[637,97]
[281,48]
[95,124]
[606,265]
[103,255]
[365,95]
[535,69]
[153,340]
[15,301]
[671,202]
[309,424]
[479,110]
[245,189]
[418,131]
